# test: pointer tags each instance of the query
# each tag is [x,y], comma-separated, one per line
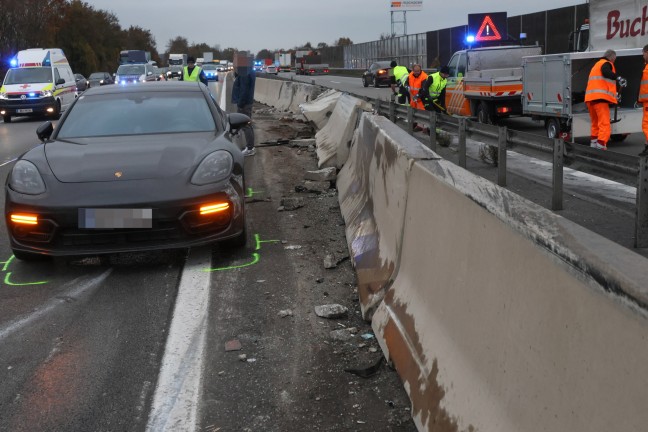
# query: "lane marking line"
[179,388]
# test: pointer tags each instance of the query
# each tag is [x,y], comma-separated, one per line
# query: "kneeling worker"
[434,89]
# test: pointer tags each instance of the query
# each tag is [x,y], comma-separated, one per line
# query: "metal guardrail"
[631,168]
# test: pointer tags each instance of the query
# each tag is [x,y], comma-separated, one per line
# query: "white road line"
[8,162]
[26,321]
[179,386]
[336,82]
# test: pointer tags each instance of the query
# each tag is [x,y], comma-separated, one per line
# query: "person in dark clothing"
[243,98]
[191,72]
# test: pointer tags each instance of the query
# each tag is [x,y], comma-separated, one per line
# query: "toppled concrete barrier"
[372,189]
[319,110]
[284,95]
[334,140]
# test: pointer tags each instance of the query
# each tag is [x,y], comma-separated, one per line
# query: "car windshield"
[97,75]
[383,65]
[209,67]
[137,113]
[28,75]
[131,70]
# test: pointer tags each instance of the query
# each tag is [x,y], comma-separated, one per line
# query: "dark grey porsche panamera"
[130,168]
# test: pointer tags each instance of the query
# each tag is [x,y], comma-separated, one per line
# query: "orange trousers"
[599,112]
[644,122]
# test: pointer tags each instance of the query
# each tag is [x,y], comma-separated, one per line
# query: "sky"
[274,24]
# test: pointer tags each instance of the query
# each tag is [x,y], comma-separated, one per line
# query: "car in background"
[159,171]
[134,73]
[97,79]
[377,74]
[81,82]
[270,69]
[211,71]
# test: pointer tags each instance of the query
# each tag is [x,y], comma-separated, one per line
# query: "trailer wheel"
[483,113]
[618,137]
[553,128]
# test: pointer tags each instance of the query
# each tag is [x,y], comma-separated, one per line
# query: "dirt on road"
[275,365]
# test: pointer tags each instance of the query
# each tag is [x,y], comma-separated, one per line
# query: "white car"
[270,69]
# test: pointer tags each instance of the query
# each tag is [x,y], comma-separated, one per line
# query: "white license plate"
[24,111]
[115,218]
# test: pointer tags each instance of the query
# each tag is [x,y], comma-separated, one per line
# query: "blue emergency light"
[13,62]
[470,39]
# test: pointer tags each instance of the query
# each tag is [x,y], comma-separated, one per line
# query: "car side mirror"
[60,81]
[237,121]
[44,131]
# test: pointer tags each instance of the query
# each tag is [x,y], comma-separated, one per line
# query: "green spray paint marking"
[251,192]
[7,279]
[255,256]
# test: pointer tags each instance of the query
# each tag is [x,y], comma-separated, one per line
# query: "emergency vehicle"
[39,82]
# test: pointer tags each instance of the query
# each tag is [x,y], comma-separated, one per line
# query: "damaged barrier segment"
[334,140]
[372,189]
[504,316]
[284,95]
[319,110]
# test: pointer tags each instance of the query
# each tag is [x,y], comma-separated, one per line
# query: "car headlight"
[214,168]
[142,78]
[47,93]
[26,179]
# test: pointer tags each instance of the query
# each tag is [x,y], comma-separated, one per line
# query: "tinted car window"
[96,76]
[137,113]
[131,70]
[209,67]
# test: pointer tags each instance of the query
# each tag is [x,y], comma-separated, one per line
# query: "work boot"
[593,143]
[600,145]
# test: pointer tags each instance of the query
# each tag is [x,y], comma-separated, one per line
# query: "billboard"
[488,27]
[405,5]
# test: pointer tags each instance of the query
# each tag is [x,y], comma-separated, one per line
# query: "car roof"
[184,86]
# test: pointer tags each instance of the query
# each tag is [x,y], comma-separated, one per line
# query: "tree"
[322,45]
[179,45]
[343,41]
[308,45]
[264,54]
[138,38]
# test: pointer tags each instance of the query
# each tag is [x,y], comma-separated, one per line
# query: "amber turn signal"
[213,208]
[25,219]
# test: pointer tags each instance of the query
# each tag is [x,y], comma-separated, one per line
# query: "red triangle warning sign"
[488,31]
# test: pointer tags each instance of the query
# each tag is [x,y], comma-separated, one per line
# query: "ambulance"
[39,82]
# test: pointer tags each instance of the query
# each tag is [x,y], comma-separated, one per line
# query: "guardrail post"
[462,143]
[502,139]
[392,112]
[410,120]
[557,189]
[377,106]
[641,221]
[433,140]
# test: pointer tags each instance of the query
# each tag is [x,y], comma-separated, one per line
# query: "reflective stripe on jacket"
[415,85]
[195,74]
[600,87]
[643,88]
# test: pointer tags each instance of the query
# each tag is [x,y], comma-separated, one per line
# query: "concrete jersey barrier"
[319,110]
[506,317]
[372,189]
[334,140]
[284,95]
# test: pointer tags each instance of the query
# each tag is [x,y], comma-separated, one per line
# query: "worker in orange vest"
[415,83]
[643,99]
[601,92]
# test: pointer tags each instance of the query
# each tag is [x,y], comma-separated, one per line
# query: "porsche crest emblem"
[118,174]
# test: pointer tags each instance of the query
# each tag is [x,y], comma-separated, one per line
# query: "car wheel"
[28,256]
[57,111]
[375,83]
[364,82]
[6,118]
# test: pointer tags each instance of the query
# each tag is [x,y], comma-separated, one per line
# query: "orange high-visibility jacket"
[643,88]
[600,87]
[415,85]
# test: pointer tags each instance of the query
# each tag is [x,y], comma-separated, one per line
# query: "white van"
[39,82]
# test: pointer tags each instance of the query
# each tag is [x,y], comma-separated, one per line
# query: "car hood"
[126,158]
